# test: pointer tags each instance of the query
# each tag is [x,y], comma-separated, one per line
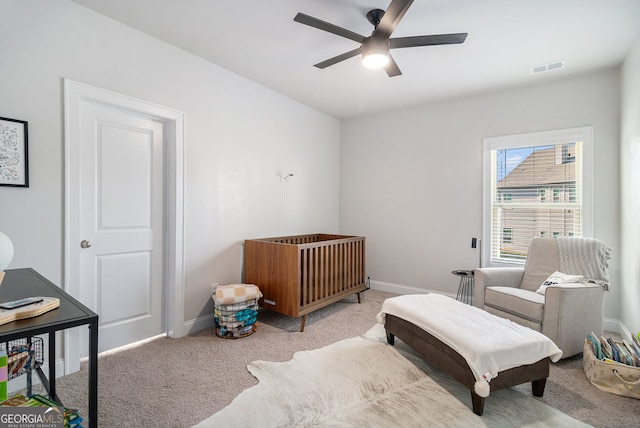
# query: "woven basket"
[616,378]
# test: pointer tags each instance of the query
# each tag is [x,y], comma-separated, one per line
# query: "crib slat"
[349,268]
[322,277]
[339,273]
[304,285]
[336,268]
[314,272]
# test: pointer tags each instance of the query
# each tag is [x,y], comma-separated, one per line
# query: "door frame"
[76,94]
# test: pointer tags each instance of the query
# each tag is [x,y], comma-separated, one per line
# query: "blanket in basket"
[235,293]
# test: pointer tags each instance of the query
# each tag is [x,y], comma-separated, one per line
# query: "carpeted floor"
[363,382]
[181,382]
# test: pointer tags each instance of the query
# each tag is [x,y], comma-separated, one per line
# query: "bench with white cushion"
[480,350]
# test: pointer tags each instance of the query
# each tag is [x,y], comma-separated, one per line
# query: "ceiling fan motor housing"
[375,45]
[375,16]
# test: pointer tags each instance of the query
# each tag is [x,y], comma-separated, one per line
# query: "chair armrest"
[486,277]
[570,313]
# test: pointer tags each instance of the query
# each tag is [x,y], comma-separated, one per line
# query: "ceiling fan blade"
[436,39]
[392,68]
[339,58]
[325,26]
[392,17]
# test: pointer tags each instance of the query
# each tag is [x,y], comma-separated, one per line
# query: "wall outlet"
[214,286]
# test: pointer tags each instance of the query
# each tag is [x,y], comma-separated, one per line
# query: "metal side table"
[465,289]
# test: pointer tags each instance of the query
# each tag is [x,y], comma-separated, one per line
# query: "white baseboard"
[59,368]
[198,324]
[19,383]
[617,326]
[404,289]
[207,321]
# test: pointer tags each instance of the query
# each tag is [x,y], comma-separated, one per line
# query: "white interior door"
[78,97]
[121,223]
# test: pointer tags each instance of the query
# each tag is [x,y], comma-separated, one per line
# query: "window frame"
[559,136]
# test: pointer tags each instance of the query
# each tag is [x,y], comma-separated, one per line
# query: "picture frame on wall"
[14,153]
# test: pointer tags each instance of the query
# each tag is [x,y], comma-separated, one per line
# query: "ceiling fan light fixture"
[375,53]
[375,61]
[375,49]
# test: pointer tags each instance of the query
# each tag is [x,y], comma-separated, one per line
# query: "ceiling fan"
[375,48]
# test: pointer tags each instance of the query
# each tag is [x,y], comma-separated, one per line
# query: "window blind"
[535,191]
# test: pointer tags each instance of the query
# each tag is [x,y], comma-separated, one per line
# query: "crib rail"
[304,239]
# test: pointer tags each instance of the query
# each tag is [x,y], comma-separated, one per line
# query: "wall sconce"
[286,177]
[6,254]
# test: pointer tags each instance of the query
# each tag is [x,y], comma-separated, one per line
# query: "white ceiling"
[259,40]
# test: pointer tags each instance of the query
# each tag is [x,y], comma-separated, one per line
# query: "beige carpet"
[181,382]
[363,382]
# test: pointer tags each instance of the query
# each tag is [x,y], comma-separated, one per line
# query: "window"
[535,185]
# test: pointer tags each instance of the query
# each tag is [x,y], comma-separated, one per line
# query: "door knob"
[85,244]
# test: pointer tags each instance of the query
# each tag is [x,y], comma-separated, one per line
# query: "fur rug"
[363,382]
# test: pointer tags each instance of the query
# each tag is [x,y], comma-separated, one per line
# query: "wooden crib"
[300,274]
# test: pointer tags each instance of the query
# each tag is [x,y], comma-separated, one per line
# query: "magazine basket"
[609,376]
[236,320]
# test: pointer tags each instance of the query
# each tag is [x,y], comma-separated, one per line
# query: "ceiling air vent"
[547,67]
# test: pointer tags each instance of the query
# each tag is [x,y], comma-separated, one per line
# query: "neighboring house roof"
[541,168]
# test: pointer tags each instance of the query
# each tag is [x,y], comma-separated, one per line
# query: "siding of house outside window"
[536,184]
[536,194]
[546,170]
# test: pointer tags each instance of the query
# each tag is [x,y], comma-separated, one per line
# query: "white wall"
[630,187]
[411,180]
[239,137]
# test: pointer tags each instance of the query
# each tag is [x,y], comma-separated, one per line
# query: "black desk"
[20,283]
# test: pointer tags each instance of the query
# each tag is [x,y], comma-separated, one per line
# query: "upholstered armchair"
[564,312]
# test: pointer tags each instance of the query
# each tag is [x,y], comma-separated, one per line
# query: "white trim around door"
[75,94]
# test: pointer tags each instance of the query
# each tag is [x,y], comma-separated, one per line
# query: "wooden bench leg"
[537,387]
[304,319]
[477,403]
[391,339]
[358,297]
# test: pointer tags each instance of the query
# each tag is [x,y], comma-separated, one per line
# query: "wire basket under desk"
[23,356]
